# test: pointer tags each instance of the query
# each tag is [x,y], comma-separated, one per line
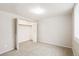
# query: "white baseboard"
[5,51]
[54,44]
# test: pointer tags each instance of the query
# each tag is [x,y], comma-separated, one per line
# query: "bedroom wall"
[56,30]
[76,30]
[6,32]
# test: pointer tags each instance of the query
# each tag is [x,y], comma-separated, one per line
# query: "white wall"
[6,32]
[76,30]
[76,21]
[56,30]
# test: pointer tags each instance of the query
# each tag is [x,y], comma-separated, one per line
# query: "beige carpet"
[39,49]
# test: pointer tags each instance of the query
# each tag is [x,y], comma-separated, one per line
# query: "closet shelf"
[24,25]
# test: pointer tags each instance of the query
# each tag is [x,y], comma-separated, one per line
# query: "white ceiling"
[51,9]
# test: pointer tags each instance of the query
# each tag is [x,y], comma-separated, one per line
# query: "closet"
[26,30]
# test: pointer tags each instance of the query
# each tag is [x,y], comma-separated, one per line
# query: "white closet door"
[24,33]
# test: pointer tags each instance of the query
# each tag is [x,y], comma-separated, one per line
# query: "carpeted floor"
[39,49]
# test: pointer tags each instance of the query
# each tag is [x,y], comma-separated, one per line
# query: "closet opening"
[25,31]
